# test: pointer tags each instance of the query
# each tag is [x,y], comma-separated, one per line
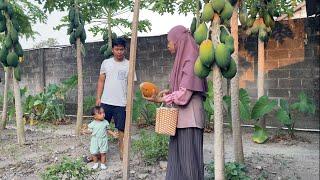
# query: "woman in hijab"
[187,93]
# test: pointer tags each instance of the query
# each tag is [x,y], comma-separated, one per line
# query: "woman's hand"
[157,98]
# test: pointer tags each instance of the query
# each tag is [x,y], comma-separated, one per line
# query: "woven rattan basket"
[166,120]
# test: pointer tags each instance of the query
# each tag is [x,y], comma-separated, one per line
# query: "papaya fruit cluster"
[76,26]
[11,52]
[258,19]
[219,54]
[105,49]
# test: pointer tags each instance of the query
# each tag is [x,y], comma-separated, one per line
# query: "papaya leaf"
[244,104]
[262,107]
[260,135]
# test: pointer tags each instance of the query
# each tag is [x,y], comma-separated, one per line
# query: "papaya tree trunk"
[109,28]
[17,103]
[5,99]
[80,88]
[260,80]
[218,108]
[198,13]
[235,115]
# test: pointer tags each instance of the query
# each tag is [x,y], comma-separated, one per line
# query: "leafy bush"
[151,146]
[88,103]
[144,112]
[232,170]
[49,104]
[304,105]
[67,169]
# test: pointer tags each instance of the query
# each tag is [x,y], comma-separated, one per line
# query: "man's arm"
[100,86]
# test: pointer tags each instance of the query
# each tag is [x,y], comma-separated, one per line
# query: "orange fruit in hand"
[148,89]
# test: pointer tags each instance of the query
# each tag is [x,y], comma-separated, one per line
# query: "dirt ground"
[277,159]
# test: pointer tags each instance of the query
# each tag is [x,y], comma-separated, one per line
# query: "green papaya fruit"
[76,21]
[79,30]
[227,11]
[12,59]
[17,73]
[2,17]
[114,36]
[107,53]
[18,49]
[201,70]
[10,10]
[3,56]
[14,35]
[263,36]
[229,42]
[71,15]
[193,25]
[15,24]
[222,55]
[105,36]
[223,34]
[83,37]
[206,53]
[3,5]
[8,42]
[201,33]
[3,26]
[231,71]
[72,38]
[207,13]
[218,5]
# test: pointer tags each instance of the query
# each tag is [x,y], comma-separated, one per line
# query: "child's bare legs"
[95,161]
[103,160]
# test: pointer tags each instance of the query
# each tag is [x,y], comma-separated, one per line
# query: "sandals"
[87,159]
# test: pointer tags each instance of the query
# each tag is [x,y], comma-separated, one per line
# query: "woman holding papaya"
[187,92]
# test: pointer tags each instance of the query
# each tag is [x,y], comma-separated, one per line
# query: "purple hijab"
[187,52]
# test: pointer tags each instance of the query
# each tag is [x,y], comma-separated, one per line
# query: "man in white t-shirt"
[112,88]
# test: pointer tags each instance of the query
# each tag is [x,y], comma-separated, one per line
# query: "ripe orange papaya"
[148,89]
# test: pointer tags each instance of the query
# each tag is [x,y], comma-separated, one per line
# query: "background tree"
[235,114]
[257,16]
[46,43]
[24,13]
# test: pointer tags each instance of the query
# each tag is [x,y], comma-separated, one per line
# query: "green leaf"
[260,135]
[262,107]
[304,105]
[283,116]
[244,105]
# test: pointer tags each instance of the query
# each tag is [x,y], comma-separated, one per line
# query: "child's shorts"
[98,145]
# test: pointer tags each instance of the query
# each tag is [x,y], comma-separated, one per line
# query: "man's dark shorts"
[118,113]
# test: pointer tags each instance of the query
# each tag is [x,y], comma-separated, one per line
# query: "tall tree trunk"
[235,115]
[5,99]
[260,80]
[80,88]
[109,28]
[218,125]
[17,102]
[218,108]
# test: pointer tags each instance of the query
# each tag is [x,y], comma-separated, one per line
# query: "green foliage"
[151,146]
[49,105]
[172,6]
[262,106]
[88,103]
[143,110]
[232,170]
[67,169]
[209,104]
[260,135]
[304,105]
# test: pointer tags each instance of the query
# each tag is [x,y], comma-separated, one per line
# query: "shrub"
[151,146]
[67,169]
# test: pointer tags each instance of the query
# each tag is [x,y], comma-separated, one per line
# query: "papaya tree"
[25,13]
[10,53]
[257,16]
[235,114]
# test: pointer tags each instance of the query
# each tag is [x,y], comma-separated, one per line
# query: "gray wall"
[291,65]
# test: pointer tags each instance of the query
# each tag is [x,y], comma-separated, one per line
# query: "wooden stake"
[132,62]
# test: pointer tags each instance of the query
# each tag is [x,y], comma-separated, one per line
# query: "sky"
[160,25]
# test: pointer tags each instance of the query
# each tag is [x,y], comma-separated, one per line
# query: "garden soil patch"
[296,158]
